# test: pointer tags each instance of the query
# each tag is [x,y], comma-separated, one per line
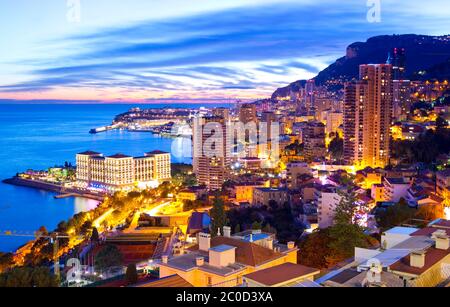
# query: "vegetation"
[218,216]
[189,205]
[430,212]
[131,275]
[327,247]
[395,215]
[6,260]
[336,148]
[272,219]
[108,257]
[182,175]
[425,148]
[347,232]
[315,250]
[26,277]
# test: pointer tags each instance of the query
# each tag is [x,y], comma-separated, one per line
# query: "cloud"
[256,47]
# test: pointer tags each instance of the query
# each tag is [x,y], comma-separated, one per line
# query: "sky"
[197,50]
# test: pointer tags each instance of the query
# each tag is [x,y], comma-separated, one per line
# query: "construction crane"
[53,238]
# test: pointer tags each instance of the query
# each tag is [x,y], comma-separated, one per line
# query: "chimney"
[442,242]
[227,231]
[165,259]
[270,244]
[417,259]
[291,245]
[199,261]
[204,241]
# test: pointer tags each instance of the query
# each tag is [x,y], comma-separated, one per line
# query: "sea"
[39,136]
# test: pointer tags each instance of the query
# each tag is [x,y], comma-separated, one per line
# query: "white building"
[326,198]
[395,189]
[122,172]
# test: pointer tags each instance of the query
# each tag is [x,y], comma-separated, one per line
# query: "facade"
[122,172]
[263,196]
[367,117]
[212,168]
[223,261]
[334,121]
[326,198]
[402,101]
[244,192]
[395,189]
[247,113]
[443,183]
[314,140]
[293,171]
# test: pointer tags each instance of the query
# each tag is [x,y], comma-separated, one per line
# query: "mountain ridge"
[425,56]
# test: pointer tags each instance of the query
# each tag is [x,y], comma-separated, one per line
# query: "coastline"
[50,187]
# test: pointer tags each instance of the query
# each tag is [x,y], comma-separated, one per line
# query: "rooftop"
[246,252]
[157,152]
[174,281]
[282,273]
[432,256]
[222,248]
[397,180]
[401,230]
[89,153]
[272,189]
[188,262]
[119,156]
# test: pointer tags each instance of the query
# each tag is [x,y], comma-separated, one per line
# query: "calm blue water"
[40,136]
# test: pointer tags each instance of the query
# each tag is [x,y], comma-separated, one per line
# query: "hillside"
[423,53]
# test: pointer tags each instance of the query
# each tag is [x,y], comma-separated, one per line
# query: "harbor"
[61,190]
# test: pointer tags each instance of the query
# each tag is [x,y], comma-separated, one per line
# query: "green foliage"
[336,148]
[441,123]
[218,216]
[192,205]
[394,215]
[26,277]
[424,149]
[6,260]
[109,256]
[131,275]
[237,229]
[94,235]
[256,226]
[315,250]
[346,233]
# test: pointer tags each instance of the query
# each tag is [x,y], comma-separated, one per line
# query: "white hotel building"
[122,172]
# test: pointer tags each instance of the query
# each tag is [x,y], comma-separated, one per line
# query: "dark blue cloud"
[201,47]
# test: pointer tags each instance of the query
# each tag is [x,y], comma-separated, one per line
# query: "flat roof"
[281,273]
[89,153]
[401,230]
[222,248]
[119,156]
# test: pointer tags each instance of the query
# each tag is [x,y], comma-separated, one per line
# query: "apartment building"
[122,172]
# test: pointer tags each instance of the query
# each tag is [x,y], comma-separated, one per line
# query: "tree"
[346,233]
[315,250]
[95,236]
[131,275]
[441,123]
[430,212]
[218,216]
[256,226]
[108,257]
[237,229]
[394,215]
[28,277]
[336,148]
